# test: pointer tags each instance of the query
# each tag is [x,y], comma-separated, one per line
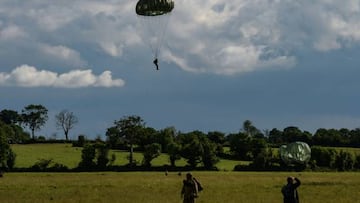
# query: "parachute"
[154,7]
[295,152]
[154,16]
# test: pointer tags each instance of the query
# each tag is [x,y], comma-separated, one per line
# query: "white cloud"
[11,32]
[105,80]
[213,36]
[228,37]
[63,53]
[111,49]
[29,76]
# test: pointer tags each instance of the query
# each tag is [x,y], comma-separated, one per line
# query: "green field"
[155,187]
[70,156]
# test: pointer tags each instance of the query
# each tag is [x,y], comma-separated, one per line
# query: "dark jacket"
[189,191]
[290,192]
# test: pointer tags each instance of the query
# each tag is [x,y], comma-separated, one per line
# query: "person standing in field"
[289,190]
[189,190]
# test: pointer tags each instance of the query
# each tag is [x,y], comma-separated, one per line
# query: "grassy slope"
[27,155]
[70,156]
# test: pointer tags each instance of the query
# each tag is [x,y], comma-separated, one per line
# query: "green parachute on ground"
[295,152]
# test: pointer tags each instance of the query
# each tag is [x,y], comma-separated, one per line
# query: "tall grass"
[155,187]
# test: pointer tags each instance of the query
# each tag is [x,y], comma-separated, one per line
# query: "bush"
[324,157]
[344,161]
[11,159]
[80,142]
[87,157]
[41,164]
[264,160]
[102,159]
[57,167]
[48,165]
[151,152]
[357,162]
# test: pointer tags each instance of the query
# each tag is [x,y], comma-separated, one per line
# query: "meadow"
[154,187]
[28,155]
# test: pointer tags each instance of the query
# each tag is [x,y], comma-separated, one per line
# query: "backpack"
[199,186]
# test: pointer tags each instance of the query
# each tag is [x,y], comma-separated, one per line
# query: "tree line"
[198,148]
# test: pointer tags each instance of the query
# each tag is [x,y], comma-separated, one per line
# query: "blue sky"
[278,63]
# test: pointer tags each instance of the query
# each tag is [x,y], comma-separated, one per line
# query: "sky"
[277,63]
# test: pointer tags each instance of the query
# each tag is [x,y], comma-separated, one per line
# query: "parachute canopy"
[295,152]
[154,7]
[153,16]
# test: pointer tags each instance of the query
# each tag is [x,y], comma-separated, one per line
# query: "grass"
[155,187]
[346,149]
[28,155]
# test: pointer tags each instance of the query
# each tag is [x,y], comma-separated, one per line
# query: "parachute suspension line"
[156,27]
[162,34]
[154,16]
[144,36]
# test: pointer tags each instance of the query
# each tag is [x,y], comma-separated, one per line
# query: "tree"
[113,138]
[258,145]
[88,154]
[174,150]
[191,147]
[9,116]
[264,160]
[151,151]
[14,133]
[9,120]
[344,161]
[146,136]
[66,120]
[218,138]
[196,147]
[240,145]
[292,134]
[165,137]
[7,156]
[129,128]
[249,129]
[102,152]
[355,137]
[275,136]
[209,158]
[34,116]
[324,157]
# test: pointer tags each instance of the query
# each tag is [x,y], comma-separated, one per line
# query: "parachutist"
[156,63]
[154,17]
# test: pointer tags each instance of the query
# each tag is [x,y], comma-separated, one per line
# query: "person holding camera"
[289,190]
